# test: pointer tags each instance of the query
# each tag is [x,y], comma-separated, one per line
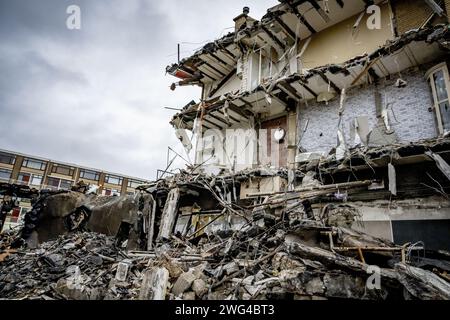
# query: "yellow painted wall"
[337,44]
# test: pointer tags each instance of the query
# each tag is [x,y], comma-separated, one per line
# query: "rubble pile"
[282,260]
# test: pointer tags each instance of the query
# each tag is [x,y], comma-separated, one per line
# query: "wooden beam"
[236,109]
[289,90]
[331,83]
[218,59]
[211,123]
[207,75]
[287,29]
[340,3]
[301,17]
[233,57]
[320,11]
[304,85]
[218,119]
[222,82]
[273,37]
[215,69]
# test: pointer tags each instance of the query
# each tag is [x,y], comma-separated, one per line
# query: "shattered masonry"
[359,190]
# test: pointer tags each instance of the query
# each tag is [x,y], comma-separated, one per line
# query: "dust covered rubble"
[279,262]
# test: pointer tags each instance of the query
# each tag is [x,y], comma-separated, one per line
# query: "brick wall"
[408,112]
[411,14]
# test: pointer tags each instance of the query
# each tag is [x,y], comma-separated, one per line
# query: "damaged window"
[7,158]
[34,164]
[439,82]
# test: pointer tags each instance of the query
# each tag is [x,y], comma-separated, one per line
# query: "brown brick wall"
[411,14]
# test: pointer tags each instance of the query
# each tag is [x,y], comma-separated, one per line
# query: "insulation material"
[341,102]
[359,130]
[392,179]
[183,137]
[341,148]
[440,163]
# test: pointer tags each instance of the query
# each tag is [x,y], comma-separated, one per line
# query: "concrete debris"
[314,258]
[245,235]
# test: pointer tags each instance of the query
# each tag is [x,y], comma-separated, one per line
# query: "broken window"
[34,164]
[113,179]
[91,175]
[438,79]
[7,158]
[5,174]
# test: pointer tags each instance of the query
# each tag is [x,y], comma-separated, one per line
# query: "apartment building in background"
[41,173]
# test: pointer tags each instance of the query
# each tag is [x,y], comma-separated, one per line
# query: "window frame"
[56,166]
[43,165]
[114,177]
[12,157]
[135,182]
[436,103]
[96,174]
[6,170]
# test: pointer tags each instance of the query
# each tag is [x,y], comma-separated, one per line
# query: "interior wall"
[409,112]
[341,42]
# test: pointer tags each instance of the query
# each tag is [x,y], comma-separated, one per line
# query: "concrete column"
[123,190]
[48,170]
[101,181]
[16,168]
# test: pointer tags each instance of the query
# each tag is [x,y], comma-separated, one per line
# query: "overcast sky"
[95,96]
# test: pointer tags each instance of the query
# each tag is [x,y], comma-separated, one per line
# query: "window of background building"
[113,179]
[7,158]
[34,164]
[134,183]
[110,192]
[65,184]
[438,79]
[32,179]
[64,170]
[24,178]
[5,174]
[91,175]
[55,183]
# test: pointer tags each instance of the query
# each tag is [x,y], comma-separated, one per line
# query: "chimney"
[243,20]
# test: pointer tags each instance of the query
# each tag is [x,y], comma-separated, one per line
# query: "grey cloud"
[95,96]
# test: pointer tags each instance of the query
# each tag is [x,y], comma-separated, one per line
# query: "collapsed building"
[321,154]
[347,102]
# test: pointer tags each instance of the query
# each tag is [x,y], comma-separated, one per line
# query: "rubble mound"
[280,262]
